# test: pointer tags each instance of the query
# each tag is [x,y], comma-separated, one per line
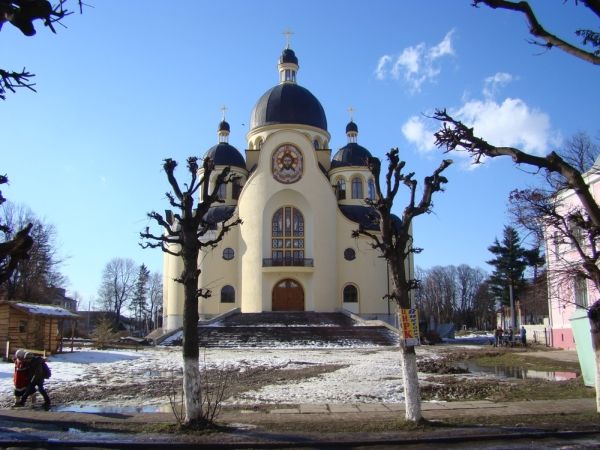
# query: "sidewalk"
[311,412]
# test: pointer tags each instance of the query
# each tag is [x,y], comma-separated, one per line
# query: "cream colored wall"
[261,197]
[367,272]
[173,292]
[217,272]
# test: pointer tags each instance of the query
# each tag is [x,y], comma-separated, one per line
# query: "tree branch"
[537,30]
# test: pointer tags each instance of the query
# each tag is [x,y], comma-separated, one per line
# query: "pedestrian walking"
[21,375]
[38,372]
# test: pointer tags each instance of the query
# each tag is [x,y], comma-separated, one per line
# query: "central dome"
[288,103]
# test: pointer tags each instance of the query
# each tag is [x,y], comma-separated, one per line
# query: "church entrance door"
[288,295]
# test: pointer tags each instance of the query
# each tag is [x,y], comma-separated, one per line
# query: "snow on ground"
[370,375]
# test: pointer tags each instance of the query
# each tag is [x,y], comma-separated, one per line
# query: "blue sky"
[128,84]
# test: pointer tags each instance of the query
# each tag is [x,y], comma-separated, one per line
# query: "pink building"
[568,291]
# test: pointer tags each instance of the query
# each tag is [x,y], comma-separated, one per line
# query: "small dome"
[288,56]
[351,127]
[224,126]
[288,103]
[351,154]
[224,154]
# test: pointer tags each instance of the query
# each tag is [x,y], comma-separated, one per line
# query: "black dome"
[351,127]
[350,155]
[224,154]
[288,56]
[288,103]
[224,126]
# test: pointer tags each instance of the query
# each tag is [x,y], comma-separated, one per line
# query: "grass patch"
[520,359]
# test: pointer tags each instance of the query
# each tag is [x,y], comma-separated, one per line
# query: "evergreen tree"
[138,302]
[510,262]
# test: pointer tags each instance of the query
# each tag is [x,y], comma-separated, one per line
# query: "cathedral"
[299,206]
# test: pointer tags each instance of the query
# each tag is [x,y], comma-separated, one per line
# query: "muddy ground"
[440,377]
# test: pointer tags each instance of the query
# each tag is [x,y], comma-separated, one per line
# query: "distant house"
[31,326]
[567,293]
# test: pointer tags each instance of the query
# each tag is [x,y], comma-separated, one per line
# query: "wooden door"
[288,296]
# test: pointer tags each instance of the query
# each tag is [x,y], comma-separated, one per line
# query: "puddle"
[517,372]
[97,409]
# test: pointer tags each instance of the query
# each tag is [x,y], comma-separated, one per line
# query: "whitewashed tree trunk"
[192,390]
[412,396]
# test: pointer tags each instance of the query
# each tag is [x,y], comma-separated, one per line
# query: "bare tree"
[117,286]
[22,14]
[185,233]
[548,40]
[395,243]
[15,249]
[31,278]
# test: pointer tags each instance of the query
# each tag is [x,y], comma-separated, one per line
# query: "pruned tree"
[185,233]
[22,14]
[117,286]
[548,40]
[395,243]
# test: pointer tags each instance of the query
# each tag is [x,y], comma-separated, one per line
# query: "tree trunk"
[191,351]
[412,394]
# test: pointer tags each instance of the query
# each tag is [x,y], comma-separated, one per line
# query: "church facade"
[294,250]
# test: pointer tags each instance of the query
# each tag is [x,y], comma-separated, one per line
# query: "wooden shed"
[31,326]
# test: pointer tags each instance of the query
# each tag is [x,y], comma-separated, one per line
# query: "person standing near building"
[523,336]
[38,372]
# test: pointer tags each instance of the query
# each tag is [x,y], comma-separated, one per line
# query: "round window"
[228,254]
[349,254]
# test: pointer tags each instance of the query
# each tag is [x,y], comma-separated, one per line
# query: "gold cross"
[351,112]
[288,34]
[223,109]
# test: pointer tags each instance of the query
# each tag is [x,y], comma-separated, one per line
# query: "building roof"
[288,56]
[288,103]
[35,309]
[224,154]
[366,216]
[351,154]
[218,214]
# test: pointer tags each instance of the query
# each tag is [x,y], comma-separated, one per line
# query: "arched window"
[222,192]
[341,189]
[350,294]
[371,184]
[357,188]
[236,188]
[287,237]
[228,294]
[259,144]
[316,144]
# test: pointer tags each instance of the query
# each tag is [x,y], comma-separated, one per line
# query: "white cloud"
[415,64]
[415,131]
[380,71]
[443,48]
[510,123]
[492,84]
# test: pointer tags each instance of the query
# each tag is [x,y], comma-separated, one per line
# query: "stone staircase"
[290,329]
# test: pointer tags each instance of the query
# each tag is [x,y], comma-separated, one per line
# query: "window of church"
[228,294]
[287,237]
[236,188]
[350,294]
[349,254]
[228,254]
[341,189]
[222,192]
[371,185]
[357,188]
[316,144]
